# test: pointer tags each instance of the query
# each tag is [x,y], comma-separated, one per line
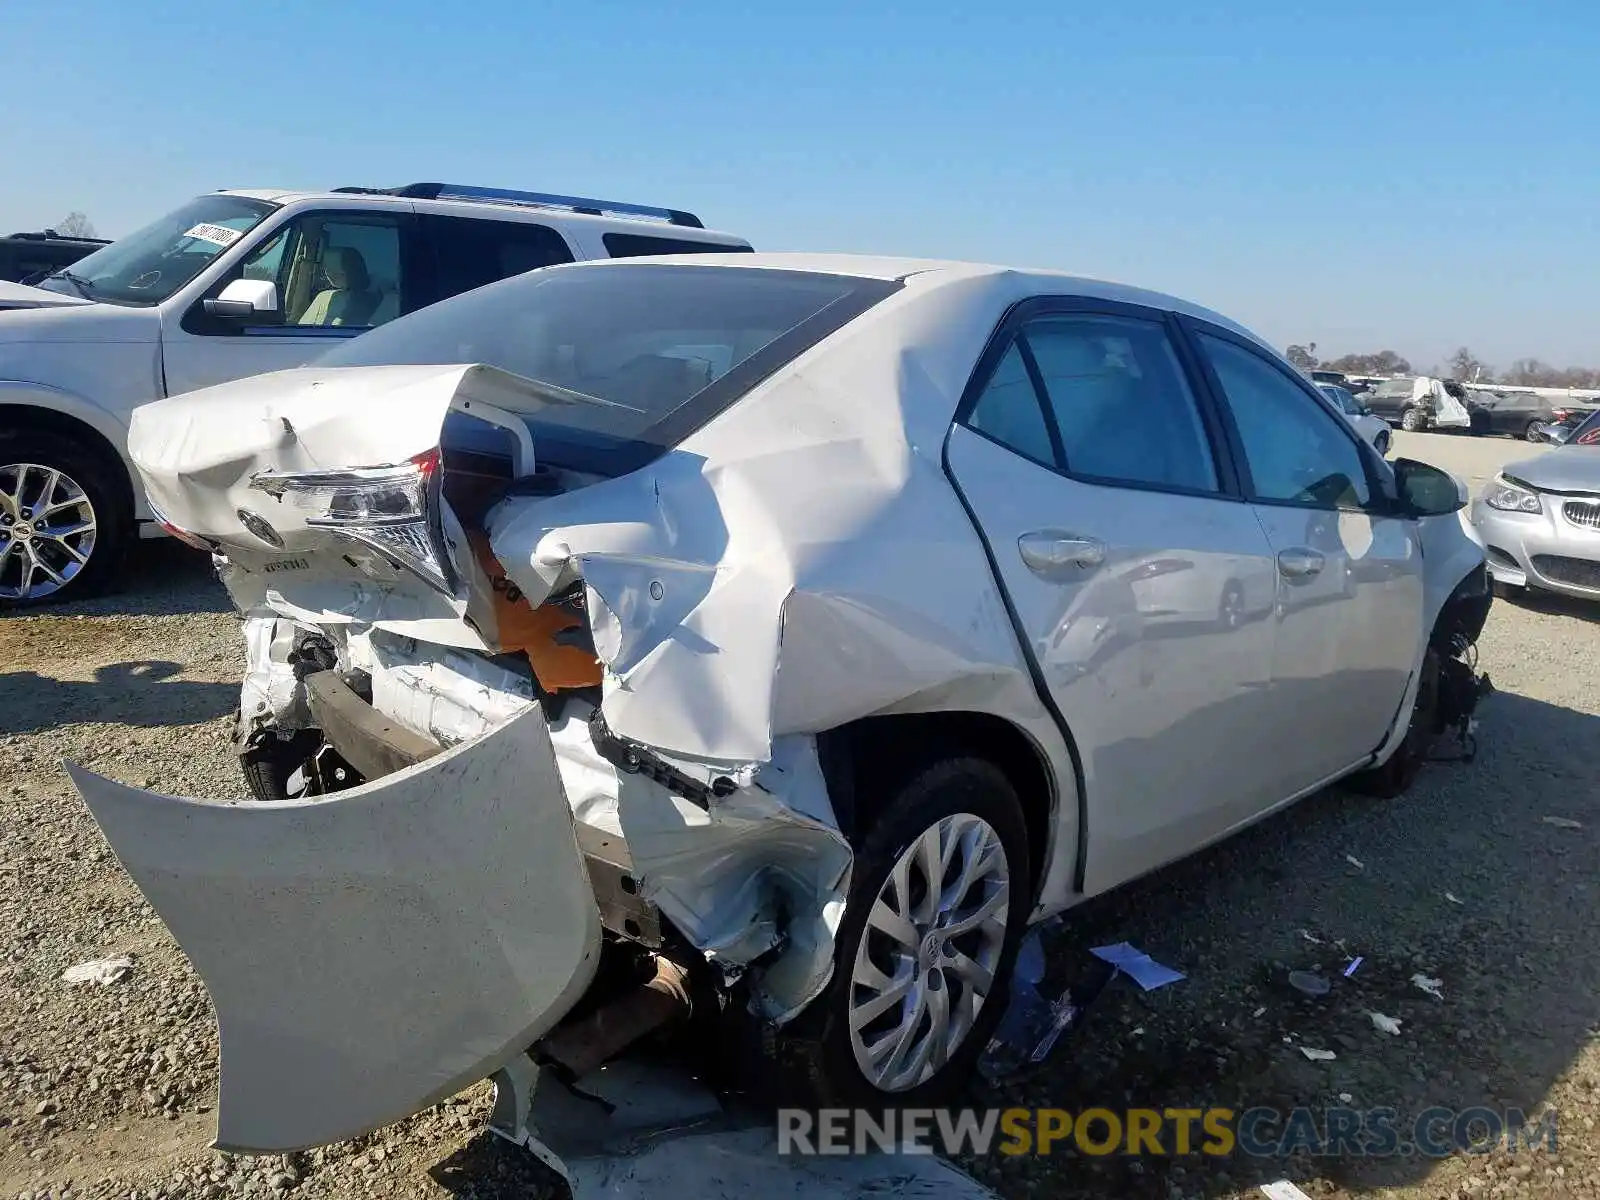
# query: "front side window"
[1296,451]
[337,271]
[148,266]
[625,360]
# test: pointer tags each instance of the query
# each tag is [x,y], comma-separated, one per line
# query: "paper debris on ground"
[1385,1024]
[1259,1011]
[1355,965]
[104,971]
[1137,965]
[1311,937]
[1453,898]
[1033,1023]
[1563,822]
[1282,1190]
[1316,1055]
[1355,862]
[1431,986]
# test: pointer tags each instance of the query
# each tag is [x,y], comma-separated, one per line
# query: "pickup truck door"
[337,272]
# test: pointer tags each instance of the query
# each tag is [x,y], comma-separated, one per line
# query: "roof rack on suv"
[578,204]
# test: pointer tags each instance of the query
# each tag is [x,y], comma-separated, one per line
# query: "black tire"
[1382,442]
[1531,433]
[1412,420]
[815,1050]
[271,762]
[1401,770]
[103,486]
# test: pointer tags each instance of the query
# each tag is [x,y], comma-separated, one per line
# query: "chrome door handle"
[1300,564]
[1049,550]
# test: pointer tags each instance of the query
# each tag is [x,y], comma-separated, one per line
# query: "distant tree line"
[1463,365]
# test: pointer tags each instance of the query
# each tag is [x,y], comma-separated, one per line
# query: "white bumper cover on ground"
[374,951]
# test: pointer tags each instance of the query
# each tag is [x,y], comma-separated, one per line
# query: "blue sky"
[1409,174]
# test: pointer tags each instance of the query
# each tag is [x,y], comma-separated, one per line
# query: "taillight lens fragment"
[391,509]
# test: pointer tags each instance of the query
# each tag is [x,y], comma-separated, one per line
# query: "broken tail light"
[183,535]
[391,509]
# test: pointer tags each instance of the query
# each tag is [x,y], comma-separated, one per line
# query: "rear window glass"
[637,245]
[623,361]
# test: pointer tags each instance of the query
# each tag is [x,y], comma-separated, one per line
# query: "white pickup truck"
[238,283]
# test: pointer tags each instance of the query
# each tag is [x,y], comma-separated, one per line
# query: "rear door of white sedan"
[1138,577]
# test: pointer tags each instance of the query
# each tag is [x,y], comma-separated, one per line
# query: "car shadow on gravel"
[162,577]
[1460,881]
[125,693]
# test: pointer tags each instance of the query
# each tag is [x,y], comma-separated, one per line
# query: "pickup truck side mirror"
[245,298]
[1427,491]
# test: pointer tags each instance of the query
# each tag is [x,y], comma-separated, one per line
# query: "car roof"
[445,205]
[932,272]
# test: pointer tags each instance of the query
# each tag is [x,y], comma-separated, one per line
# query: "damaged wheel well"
[864,760]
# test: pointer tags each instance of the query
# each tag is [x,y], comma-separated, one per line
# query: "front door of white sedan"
[1139,579]
[1349,571]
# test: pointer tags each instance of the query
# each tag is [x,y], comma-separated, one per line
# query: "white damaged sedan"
[804,626]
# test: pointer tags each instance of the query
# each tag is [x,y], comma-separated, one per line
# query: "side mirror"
[1366,410]
[1426,491]
[245,298]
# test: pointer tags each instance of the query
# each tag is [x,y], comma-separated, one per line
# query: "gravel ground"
[108,1090]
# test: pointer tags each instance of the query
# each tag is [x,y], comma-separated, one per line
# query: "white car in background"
[1374,428]
[232,284]
[805,624]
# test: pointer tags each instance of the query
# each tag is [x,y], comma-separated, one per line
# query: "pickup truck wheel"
[1413,420]
[64,526]
[939,898]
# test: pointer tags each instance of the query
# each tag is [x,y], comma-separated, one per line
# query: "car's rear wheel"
[1531,433]
[939,898]
[65,525]
[1412,420]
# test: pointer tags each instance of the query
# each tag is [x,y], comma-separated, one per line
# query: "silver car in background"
[1540,518]
[1373,428]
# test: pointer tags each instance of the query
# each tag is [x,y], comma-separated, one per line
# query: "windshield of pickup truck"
[148,266]
[633,357]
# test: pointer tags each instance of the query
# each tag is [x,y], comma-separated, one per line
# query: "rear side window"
[637,245]
[1008,412]
[1121,402]
[473,252]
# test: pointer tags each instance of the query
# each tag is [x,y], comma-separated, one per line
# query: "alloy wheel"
[929,952]
[47,530]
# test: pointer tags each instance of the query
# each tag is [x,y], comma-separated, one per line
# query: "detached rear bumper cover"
[375,951]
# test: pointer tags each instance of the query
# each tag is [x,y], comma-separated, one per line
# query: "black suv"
[28,256]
